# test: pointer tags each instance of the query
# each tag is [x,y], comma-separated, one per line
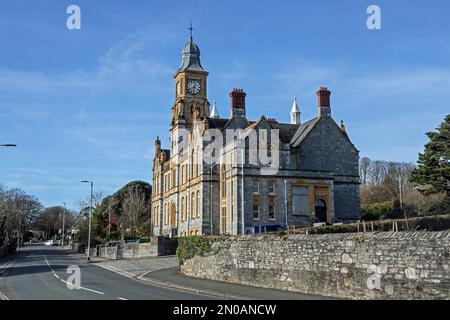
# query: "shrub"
[189,247]
[144,240]
[381,210]
[113,236]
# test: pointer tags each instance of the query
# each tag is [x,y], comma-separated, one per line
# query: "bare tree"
[364,165]
[18,210]
[97,198]
[135,210]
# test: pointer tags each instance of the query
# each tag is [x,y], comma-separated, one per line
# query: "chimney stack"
[324,101]
[237,103]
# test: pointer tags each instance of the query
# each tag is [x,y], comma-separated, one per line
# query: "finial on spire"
[342,126]
[214,113]
[190,29]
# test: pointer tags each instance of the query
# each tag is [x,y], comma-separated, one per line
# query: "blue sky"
[88,104]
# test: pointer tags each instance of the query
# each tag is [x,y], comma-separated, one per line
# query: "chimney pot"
[237,102]
[324,97]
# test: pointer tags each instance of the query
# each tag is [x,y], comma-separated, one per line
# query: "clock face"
[193,86]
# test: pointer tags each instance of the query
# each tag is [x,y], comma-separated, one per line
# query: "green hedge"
[144,240]
[189,247]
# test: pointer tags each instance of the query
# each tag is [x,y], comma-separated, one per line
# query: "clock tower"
[190,87]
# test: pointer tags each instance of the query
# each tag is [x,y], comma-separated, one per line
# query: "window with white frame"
[299,200]
[255,209]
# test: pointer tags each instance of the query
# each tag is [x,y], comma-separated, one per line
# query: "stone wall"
[385,265]
[134,251]
[107,252]
[158,246]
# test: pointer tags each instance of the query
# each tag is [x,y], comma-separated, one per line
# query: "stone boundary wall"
[134,251]
[158,246]
[107,252]
[384,265]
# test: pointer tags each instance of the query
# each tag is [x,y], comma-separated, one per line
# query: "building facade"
[232,175]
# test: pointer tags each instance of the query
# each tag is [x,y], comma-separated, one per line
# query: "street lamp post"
[90,217]
[8,145]
[63,222]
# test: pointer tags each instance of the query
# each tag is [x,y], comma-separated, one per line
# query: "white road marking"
[83,288]
[91,290]
[120,298]
[3,296]
[7,265]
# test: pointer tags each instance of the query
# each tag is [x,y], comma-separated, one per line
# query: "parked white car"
[48,242]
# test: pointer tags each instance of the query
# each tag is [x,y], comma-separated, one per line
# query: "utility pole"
[90,217]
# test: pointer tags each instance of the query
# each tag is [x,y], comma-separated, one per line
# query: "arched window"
[182,209]
[192,213]
[197,209]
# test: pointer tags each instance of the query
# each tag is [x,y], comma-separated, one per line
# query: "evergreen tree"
[433,171]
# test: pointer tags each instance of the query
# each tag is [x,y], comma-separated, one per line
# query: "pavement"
[170,277]
[134,268]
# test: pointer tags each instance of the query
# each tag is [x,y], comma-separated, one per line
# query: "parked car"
[56,243]
[48,242]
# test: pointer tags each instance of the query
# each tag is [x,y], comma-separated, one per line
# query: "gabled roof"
[303,130]
[217,123]
[287,131]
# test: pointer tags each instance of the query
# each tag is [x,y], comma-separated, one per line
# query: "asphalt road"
[39,273]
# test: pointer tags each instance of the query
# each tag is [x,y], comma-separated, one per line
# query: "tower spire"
[214,113]
[191,54]
[295,113]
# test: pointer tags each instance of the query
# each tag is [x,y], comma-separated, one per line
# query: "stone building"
[310,173]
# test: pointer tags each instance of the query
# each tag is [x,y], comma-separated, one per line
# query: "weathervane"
[190,29]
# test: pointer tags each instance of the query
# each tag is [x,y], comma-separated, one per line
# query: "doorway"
[321,210]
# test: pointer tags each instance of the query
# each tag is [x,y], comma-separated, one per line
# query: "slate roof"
[287,131]
[303,131]
[191,57]
[217,123]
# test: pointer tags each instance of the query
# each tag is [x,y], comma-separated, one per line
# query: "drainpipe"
[285,204]
[242,190]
